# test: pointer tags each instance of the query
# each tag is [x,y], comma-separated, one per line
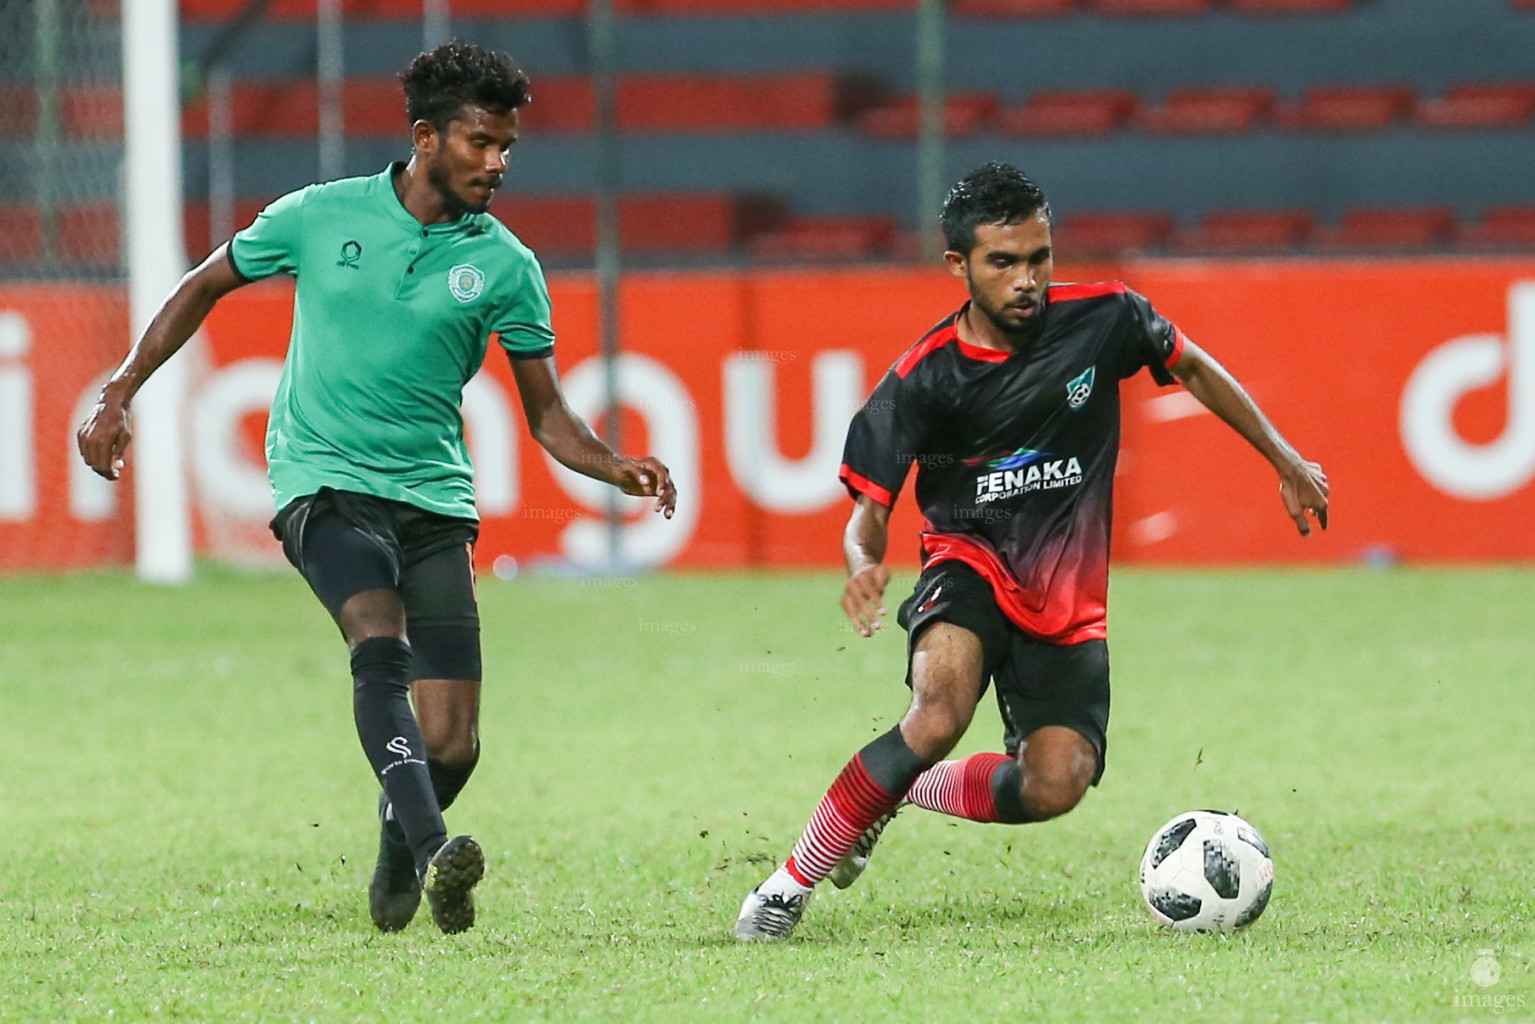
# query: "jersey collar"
[465,224]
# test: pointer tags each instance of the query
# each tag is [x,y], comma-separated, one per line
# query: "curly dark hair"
[440,84]
[995,193]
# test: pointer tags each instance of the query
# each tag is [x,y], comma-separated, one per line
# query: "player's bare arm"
[863,545]
[567,437]
[104,436]
[1302,484]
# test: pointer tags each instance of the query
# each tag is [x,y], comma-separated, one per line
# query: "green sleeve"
[271,244]
[522,320]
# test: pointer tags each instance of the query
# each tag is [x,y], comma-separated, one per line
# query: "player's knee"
[1049,795]
[932,729]
[455,750]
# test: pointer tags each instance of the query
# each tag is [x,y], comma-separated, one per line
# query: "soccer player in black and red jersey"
[1010,410]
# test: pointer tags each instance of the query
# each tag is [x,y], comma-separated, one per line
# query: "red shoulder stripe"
[934,341]
[1178,339]
[863,485]
[1068,292]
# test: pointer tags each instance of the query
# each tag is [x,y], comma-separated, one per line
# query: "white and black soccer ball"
[1207,871]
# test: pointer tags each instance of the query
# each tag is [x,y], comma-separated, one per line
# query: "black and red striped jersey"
[1015,451]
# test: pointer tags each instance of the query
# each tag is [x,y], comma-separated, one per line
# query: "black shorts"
[344,544]
[1038,684]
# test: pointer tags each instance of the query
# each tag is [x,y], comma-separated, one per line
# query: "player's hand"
[104,437]
[1303,487]
[863,598]
[648,478]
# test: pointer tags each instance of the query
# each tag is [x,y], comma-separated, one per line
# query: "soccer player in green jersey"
[401,278]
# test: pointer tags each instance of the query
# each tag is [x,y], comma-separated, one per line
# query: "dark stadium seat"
[21,232]
[1290,6]
[1348,108]
[1213,111]
[963,114]
[1149,8]
[825,239]
[1247,231]
[1106,234]
[1501,228]
[1012,8]
[1480,106]
[1399,230]
[1060,112]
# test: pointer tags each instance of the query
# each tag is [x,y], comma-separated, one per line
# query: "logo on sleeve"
[1080,388]
[351,252]
[466,281]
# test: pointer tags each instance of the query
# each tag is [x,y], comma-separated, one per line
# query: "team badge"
[1080,387]
[466,281]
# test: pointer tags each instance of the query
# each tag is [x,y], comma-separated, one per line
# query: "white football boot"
[772,909]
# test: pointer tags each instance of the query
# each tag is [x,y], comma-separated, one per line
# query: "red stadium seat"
[196,223]
[1401,230]
[963,114]
[700,103]
[89,234]
[1105,234]
[1348,108]
[405,10]
[21,233]
[1501,227]
[1480,106]
[1248,231]
[1215,111]
[18,110]
[1290,6]
[1150,8]
[1086,112]
[698,223]
[1012,8]
[813,239]
[561,103]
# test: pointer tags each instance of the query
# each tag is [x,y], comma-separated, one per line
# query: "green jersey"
[390,320]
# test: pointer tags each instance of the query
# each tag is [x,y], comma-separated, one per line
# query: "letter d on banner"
[1476,472]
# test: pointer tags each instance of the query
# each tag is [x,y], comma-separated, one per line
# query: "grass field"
[191,830]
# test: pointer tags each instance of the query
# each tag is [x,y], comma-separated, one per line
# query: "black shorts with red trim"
[1037,683]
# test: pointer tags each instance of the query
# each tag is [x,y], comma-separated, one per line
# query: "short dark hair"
[995,193]
[438,85]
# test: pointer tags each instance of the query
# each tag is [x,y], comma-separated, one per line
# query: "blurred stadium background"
[1331,195]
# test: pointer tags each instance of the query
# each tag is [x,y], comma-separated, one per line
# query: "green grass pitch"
[191,833]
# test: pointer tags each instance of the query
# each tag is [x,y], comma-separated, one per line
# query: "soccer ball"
[1207,871]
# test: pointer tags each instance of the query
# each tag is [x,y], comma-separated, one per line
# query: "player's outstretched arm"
[863,545]
[566,436]
[1302,484]
[104,436]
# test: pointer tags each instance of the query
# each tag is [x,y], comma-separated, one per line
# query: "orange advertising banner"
[1412,382]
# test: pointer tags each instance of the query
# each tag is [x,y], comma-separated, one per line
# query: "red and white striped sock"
[961,788]
[853,803]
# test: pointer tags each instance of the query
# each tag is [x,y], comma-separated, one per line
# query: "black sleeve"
[1152,341]
[883,440]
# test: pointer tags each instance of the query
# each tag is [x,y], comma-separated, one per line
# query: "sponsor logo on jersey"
[351,252]
[928,604]
[1080,388]
[1011,460]
[1041,473]
[466,281]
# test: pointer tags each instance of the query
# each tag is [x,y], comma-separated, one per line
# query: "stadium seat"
[18,110]
[1480,106]
[804,101]
[1348,108]
[1149,8]
[89,234]
[696,223]
[561,103]
[196,221]
[1012,8]
[1192,111]
[963,114]
[1401,230]
[1501,227]
[1083,235]
[1247,231]
[403,10]
[21,233]
[1086,112]
[825,239]
[1290,6]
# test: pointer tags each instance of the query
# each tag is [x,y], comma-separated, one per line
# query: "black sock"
[448,779]
[392,740]
[1007,794]
[892,764]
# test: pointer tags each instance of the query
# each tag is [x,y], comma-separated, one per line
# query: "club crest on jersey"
[466,281]
[1080,388]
